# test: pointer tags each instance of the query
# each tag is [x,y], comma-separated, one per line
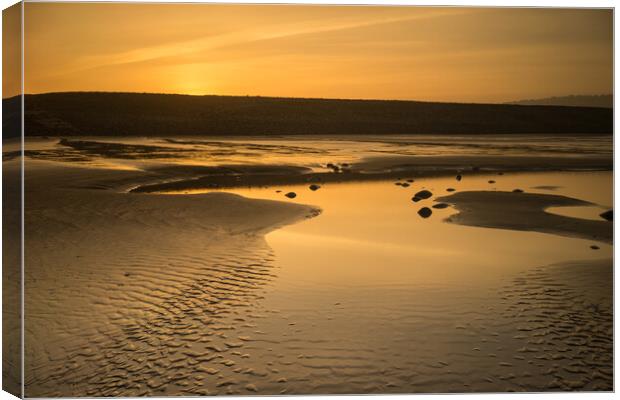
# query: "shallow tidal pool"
[371,297]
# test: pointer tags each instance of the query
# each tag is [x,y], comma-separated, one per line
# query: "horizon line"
[509,102]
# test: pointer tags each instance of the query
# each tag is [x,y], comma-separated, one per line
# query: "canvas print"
[293,199]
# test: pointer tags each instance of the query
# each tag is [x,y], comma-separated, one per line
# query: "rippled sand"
[134,295]
[345,289]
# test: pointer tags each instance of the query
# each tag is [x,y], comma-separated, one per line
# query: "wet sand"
[526,212]
[372,169]
[117,284]
[345,289]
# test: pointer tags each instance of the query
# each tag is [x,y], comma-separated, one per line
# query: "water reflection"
[370,291]
[367,226]
[309,151]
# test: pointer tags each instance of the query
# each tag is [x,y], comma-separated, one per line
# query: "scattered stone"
[405,185]
[608,215]
[333,167]
[415,199]
[127,274]
[410,180]
[491,181]
[398,183]
[251,387]
[450,189]
[517,191]
[440,206]
[314,187]
[291,195]
[278,191]
[423,194]
[594,247]
[459,177]
[425,212]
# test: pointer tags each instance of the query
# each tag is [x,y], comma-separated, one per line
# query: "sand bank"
[524,212]
[174,178]
[113,279]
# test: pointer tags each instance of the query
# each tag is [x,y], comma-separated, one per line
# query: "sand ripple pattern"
[168,333]
[143,295]
[564,328]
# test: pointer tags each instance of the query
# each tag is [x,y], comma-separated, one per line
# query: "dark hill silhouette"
[115,114]
[11,117]
[601,100]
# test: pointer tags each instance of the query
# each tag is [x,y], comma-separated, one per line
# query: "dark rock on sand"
[405,185]
[333,167]
[517,191]
[440,206]
[423,194]
[415,199]
[314,187]
[608,215]
[278,191]
[491,181]
[459,177]
[410,180]
[594,247]
[425,212]
[450,189]
[291,195]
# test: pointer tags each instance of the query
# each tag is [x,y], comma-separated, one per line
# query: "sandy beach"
[188,272]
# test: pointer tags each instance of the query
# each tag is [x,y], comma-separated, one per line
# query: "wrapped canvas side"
[12,200]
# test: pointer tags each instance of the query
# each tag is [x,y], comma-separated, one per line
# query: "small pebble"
[423,194]
[425,212]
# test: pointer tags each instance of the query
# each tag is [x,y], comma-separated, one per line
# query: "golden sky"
[11,50]
[446,54]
